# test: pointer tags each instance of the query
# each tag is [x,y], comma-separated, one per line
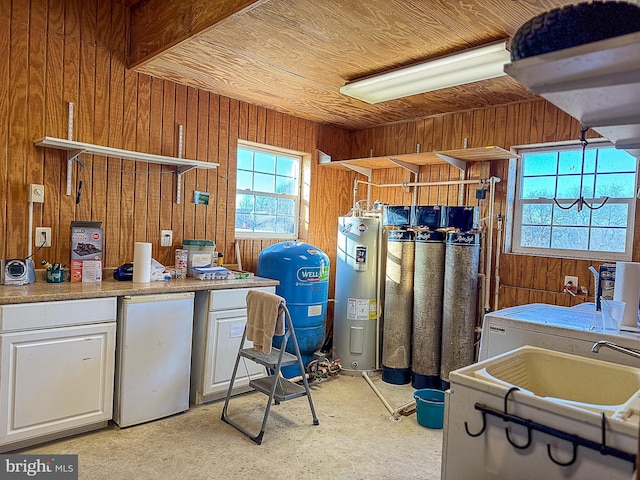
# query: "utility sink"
[563,378]
[572,417]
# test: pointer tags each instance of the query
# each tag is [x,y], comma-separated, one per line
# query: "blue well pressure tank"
[303,272]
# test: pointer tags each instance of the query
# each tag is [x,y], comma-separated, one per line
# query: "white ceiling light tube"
[465,67]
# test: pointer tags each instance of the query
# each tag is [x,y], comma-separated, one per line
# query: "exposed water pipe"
[481,262]
[379,281]
[496,294]
[482,286]
[492,197]
[492,181]
[30,233]
[377,392]
[405,409]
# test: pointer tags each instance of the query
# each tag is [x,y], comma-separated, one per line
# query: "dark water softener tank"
[303,272]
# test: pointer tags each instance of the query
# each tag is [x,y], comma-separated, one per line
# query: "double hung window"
[268,193]
[570,206]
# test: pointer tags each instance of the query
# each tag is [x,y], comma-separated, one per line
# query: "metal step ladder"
[276,387]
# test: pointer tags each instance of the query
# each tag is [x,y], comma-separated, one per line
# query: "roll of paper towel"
[627,289]
[142,262]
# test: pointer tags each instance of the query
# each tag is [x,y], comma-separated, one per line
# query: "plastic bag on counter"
[157,271]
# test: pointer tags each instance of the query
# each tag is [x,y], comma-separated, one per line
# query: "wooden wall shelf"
[78,148]
[597,83]
[74,149]
[413,161]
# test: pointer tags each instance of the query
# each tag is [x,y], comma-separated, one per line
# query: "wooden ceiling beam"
[157,25]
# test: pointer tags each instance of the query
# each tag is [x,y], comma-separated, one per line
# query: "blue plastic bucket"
[429,407]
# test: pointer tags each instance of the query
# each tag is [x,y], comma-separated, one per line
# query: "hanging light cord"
[580,201]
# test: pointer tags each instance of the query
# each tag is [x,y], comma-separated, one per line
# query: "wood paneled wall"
[57,51]
[523,279]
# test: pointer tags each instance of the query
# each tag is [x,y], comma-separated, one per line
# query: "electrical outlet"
[43,237]
[166,238]
[36,193]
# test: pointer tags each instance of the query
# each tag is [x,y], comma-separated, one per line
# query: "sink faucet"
[613,346]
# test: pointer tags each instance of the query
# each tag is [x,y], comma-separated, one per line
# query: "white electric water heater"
[357,314]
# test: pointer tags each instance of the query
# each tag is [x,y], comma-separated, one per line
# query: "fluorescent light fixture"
[465,67]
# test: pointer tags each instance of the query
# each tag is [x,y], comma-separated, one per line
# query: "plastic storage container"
[202,253]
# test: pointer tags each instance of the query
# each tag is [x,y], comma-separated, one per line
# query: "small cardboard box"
[87,250]
[238,274]
[182,258]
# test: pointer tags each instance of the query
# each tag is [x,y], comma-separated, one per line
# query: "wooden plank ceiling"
[294,55]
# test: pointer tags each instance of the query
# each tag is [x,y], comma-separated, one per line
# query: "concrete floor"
[355,440]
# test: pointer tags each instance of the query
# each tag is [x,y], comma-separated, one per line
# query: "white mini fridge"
[153,357]
[565,329]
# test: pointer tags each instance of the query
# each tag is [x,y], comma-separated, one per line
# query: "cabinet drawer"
[232,298]
[30,316]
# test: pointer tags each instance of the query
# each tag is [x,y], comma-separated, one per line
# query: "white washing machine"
[565,329]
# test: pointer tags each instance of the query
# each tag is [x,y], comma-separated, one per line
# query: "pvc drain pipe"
[394,413]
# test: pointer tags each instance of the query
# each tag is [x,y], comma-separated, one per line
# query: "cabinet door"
[56,379]
[224,333]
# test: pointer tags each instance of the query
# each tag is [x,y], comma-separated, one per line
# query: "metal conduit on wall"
[459,302]
[398,307]
[427,309]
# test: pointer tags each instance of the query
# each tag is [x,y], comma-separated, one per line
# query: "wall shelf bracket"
[183,169]
[361,170]
[72,156]
[462,165]
[413,168]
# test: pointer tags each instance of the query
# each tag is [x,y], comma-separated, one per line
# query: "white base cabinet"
[55,379]
[219,320]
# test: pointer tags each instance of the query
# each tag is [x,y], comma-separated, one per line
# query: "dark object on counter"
[124,272]
[574,25]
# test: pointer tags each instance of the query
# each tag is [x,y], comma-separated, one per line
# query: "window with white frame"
[268,193]
[575,203]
